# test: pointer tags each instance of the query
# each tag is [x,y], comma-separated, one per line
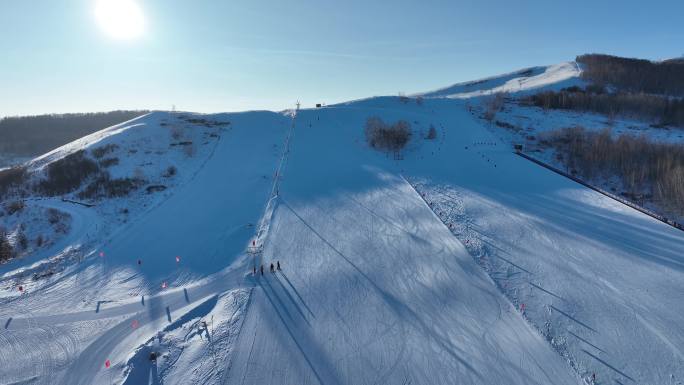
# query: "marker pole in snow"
[254,260]
[107,366]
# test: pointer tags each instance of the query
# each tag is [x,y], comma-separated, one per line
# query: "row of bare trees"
[635,75]
[6,250]
[34,135]
[660,110]
[642,165]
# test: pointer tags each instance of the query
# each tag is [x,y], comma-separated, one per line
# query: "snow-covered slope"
[124,277]
[550,77]
[374,288]
[457,262]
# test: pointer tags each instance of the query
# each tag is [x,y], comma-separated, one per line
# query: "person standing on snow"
[262,269]
[278,265]
[272,268]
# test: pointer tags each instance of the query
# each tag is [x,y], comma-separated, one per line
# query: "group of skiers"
[273,268]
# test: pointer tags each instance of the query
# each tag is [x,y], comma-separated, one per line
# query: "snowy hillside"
[527,80]
[453,261]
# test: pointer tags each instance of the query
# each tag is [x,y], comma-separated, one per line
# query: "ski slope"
[553,77]
[207,222]
[374,288]
[460,263]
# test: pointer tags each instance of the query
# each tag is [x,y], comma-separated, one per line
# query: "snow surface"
[553,77]
[457,262]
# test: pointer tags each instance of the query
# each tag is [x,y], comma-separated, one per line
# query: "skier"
[272,269]
[278,265]
[262,269]
[139,262]
[254,270]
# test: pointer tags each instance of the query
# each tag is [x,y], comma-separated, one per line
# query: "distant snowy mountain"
[453,260]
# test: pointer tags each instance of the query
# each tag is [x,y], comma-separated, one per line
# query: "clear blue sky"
[228,55]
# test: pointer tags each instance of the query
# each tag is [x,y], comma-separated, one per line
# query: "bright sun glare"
[120,19]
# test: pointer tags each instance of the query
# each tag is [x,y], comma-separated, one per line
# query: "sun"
[120,19]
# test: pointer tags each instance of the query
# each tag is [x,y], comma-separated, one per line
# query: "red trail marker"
[107,364]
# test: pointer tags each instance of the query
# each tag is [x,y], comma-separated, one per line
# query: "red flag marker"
[107,364]
[21,288]
[134,324]
[164,285]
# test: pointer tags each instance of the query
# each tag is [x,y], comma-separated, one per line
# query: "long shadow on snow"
[280,301]
[331,376]
[573,318]
[611,228]
[397,306]
[608,365]
[621,229]
[297,294]
[296,305]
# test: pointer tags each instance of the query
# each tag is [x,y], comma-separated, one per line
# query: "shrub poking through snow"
[387,137]
[170,172]
[189,149]
[39,241]
[14,207]
[432,133]
[493,105]
[155,188]
[67,174]
[6,251]
[22,241]
[176,133]
[11,179]
[109,162]
[204,122]
[101,151]
[105,186]
[56,218]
